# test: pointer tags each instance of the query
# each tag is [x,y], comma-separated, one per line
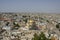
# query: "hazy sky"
[30,6]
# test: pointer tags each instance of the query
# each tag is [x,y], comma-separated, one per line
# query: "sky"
[50,6]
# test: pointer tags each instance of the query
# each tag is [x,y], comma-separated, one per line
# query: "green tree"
[35,37]
[58,25]
[16,26]
[7,23]
[40,37]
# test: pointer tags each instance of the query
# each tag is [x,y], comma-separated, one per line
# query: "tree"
[58,25]
[40,37]
[7,23]
[35,37]
[16,26]
[25,20]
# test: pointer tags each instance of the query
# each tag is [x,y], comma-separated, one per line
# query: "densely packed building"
[22,26]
